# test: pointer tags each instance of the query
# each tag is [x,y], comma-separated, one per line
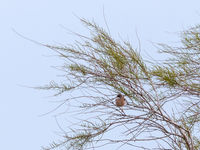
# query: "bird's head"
[119,95]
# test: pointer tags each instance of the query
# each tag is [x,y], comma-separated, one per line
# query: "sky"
[25,63]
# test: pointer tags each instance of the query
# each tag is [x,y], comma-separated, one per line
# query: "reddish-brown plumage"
[120,101]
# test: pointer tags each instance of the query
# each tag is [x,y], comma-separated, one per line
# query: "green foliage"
[101,67]
[78,68]
[165,75]
[81,139]
[59,88]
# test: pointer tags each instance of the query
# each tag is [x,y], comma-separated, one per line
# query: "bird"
[120,101]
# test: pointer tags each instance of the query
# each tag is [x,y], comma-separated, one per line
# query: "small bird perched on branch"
[120,101]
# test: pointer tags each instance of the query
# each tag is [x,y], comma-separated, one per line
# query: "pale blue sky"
[25,63]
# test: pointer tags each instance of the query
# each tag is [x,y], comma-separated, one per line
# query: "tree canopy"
[162,97]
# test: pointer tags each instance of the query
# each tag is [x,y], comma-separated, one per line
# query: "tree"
[163,97]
